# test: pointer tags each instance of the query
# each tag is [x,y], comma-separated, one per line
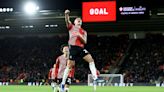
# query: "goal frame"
[107,75]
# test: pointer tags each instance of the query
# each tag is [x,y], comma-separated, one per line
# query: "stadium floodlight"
[4,9]
[0,9]
[46,25]
[8,9]
[31,26]
[31,8]
[7,27]
[11,9]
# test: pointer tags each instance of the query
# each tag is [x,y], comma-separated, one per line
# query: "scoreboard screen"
[100,11]
[132,9]
[112,10]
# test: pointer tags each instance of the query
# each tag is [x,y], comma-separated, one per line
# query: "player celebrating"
[77,40]
[61,63]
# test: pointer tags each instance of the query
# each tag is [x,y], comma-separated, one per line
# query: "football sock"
[93,70]
[66,72]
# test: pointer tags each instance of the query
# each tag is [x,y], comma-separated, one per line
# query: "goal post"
[107,80]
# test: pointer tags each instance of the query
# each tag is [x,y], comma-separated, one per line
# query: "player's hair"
[78,17]
[62,46]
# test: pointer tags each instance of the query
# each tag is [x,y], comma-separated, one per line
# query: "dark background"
[16,20]
[71,4]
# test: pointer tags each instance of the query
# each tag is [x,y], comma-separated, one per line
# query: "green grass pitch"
[80,89]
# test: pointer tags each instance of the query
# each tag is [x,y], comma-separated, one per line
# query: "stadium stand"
[30,58]
[145,61]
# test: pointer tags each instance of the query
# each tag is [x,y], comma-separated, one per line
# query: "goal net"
[107,80]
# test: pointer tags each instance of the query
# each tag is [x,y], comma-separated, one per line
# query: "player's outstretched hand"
[67,11]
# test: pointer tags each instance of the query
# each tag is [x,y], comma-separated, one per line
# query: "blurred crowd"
[30,58]
[145,62]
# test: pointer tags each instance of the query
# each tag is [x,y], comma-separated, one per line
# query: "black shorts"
[68,81]
[77,52]
[51,80]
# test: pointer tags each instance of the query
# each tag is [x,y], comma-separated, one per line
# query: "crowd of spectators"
[145,61]
[106,51]
[30,58]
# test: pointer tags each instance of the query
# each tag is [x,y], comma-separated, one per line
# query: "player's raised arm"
[67,18]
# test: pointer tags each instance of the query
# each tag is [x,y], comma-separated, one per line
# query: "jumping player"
[77,40]
[61,63]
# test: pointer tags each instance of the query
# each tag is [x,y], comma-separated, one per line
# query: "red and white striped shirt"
[61,63]
[74,38]
[51,74]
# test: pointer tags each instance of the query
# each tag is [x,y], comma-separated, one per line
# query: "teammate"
[77,40]
[51,77]
[61,63]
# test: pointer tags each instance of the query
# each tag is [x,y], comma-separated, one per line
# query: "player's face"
[78,22]
[65,50]
[54,65]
